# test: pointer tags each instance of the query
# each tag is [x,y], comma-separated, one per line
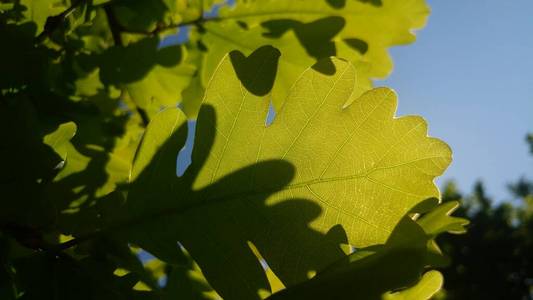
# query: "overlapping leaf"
[308,30]
[393,270]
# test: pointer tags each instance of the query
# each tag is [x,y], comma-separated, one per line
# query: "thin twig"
[144,116]
[164,27]
[161,28]
[114,26]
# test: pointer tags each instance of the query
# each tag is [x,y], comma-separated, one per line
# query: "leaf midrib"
[136,221]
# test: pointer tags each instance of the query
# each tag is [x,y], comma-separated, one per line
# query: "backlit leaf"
[324,173]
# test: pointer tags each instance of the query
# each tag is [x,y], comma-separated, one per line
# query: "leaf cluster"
[328,195]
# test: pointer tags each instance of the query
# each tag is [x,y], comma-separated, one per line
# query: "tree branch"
[114,26]
[54,22]
[161,28]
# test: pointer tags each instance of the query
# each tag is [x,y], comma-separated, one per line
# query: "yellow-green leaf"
[59,139]
[324,173]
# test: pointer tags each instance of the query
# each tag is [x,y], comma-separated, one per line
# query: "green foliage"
[267,209]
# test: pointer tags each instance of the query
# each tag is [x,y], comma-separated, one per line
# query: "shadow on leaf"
[216,222]
[265,58]
[316,36]
[127,64]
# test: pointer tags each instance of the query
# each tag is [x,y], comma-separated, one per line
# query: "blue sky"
[470,74]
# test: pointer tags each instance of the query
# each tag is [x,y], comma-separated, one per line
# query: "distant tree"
[529,139]
[494,260]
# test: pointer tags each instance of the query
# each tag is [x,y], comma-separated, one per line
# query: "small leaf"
[430,284]
[58,139]
[440,220]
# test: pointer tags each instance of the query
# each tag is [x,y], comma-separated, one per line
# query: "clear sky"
[470,74]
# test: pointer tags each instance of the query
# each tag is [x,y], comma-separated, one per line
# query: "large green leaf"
[308,30]
[324,173]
